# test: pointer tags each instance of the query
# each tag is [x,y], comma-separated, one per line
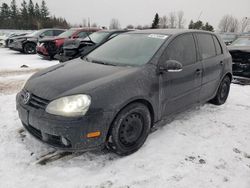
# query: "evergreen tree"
[208,27]
[191,25]
[24,15]
[200,26]
[156,21]
[31,9]
[5,15]
[14,14]
[44,10]
[29,16]
[37,11]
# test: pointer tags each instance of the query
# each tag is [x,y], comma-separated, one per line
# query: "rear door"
[212,59]
[179,90]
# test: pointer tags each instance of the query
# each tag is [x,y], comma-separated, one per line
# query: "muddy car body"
[49,47]
[114,95]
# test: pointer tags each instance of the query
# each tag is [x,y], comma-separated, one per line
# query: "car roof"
[168,31]
[114,31]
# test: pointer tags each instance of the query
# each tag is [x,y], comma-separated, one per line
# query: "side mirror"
[171,66]
[41,36]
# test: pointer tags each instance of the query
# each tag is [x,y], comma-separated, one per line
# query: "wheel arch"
[138,100]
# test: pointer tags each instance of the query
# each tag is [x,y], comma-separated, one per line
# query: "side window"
[58,32]
[217,46]
[47,33]
[206,45]
[82,34]
[182,49]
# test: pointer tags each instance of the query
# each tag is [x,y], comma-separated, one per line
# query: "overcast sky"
[142,11]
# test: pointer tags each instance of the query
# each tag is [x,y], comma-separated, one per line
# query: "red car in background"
[49,47]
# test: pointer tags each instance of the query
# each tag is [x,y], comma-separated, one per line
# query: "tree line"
[229,23]
[29,16]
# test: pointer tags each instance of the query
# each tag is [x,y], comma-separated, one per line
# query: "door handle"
[221,63]
[198,71]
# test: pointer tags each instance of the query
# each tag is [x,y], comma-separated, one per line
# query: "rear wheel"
[29,48]
[130,129]
[223,91]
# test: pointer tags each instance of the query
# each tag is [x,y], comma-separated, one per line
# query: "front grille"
[35,101]
[38,102]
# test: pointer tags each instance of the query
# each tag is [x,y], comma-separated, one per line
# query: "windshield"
[128,49]
[97,37]
[241,42]
[67,33]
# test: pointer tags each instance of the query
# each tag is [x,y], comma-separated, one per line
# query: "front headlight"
[70,106]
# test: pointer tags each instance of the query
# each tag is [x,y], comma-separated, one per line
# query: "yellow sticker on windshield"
[158,36]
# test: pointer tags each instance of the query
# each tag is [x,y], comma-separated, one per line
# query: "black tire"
[222,92]
[130,129]
[29,48]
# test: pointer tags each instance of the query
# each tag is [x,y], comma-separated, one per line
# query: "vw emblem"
[26,98]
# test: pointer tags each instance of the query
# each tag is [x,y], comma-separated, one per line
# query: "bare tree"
[172,20]
[180,20]
[245,23]
[94,25]
[114,24]
[84,22]
[164,22]
[130,26]
[138,27]
[225,23]
[234,25]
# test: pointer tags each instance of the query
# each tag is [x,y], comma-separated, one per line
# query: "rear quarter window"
[206,45]
[217,46]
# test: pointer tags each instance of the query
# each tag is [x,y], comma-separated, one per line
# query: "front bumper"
[42,51]
[16,45]
[241,69]
[54,130]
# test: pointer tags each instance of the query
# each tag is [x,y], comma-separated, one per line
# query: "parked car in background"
[27,44]
[74,48]
[49,47]
[10,38]
[240,52]
[3,39]
[228,38]
[113,96]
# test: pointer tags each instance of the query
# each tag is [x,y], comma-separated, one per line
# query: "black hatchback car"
[114,95]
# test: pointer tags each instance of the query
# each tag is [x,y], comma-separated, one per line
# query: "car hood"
[74,77]
[239,48]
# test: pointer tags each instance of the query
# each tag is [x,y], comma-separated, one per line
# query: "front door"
[179,90]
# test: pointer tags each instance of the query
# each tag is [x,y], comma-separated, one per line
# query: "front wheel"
[223,91]
[29,48]
[130,129]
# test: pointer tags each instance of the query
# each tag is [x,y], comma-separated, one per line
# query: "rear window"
[206,45]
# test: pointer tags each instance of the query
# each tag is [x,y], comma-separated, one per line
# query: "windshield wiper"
[102,62]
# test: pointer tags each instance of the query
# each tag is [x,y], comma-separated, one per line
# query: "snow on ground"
[205,147]
[12,60]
